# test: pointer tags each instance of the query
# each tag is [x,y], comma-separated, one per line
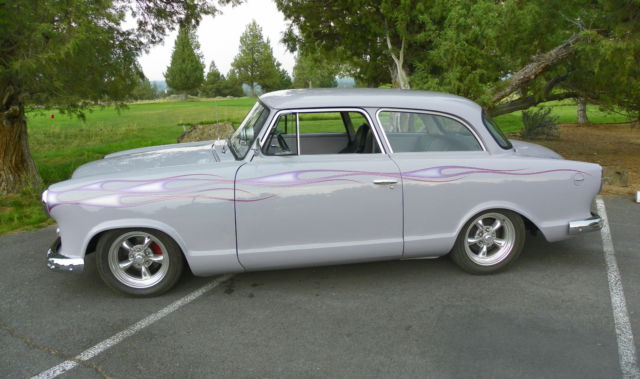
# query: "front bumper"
[591,224]
[60,263]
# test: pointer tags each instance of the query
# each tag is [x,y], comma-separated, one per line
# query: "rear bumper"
[591,224]
[60,263]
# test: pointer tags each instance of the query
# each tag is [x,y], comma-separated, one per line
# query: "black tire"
[489,242]
[139,262]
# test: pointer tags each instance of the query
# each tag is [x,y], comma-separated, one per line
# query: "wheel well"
[529,226]
[93,243]
[91,247]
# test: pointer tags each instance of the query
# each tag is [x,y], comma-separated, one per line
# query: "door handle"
[385,181]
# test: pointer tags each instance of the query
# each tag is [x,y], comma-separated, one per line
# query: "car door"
[334,204]
[446,173]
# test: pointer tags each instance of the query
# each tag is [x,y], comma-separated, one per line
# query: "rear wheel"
[489,242]
[141,262]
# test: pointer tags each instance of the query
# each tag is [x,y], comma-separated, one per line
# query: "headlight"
[45,206]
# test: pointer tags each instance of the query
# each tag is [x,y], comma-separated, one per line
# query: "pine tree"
[214,82]
[255,63]
[185,74]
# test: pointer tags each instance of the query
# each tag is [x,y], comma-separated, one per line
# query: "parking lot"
[550,315]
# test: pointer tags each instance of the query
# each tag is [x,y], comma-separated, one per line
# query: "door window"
[306,133]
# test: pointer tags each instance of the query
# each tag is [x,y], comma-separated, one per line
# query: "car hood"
[528,149]
[195,153]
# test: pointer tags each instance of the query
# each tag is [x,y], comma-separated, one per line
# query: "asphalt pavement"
[550,315]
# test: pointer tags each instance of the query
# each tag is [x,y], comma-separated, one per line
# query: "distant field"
[62,143]
[566,112]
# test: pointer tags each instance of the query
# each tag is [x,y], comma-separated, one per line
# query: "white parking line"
[133,329]
[626,345]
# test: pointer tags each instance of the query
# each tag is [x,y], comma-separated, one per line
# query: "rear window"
[495,131]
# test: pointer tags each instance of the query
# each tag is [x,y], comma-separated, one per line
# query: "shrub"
[539,124]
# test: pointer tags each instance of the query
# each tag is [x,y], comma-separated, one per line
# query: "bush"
[539,124]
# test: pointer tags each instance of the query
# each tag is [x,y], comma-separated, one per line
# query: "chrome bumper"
[60,263]
[589,225]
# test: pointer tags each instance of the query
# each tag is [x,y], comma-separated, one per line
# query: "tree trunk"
[398,73]
[540,64]
[17,168]
[582,111]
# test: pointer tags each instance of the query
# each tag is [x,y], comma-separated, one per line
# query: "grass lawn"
[62,143]
[566,112]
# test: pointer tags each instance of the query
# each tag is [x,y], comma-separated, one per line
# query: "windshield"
[495,131]
[241,140]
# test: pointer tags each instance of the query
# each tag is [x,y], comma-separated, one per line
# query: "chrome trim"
[460,120]
[385,181]
[60,263]
[267,130]
[298,148]
[591,224]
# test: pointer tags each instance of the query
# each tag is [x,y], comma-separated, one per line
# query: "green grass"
[566,112]
[62,143]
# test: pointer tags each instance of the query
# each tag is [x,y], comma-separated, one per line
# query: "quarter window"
[426,132]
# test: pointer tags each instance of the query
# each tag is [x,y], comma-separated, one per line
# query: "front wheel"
[140,262]
[489,242]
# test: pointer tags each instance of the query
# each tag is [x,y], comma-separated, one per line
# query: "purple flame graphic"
[132,193]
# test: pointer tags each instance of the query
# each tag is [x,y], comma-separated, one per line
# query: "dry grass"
[610,145]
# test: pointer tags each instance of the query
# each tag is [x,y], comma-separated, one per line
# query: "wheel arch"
[527,217]
[97,231]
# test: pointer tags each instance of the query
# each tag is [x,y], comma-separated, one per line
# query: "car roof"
[367,98]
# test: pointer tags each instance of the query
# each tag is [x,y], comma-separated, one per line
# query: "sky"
[219,38]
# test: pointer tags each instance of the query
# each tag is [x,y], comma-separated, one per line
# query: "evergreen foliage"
[313,70]
[476,48]
[145,91]
[214,82]
[232,85]
[185,73]
[285,79]
[71,54]
[254,63]
[539,124]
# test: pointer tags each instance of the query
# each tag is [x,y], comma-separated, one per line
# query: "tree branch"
[527,102]
[539,65]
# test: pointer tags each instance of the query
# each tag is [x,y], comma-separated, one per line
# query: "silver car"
[319,177]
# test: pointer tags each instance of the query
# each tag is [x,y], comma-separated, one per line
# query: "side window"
[426,132]
[306,133]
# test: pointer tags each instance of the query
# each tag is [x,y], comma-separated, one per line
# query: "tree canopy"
[507,55]
[313,70]
[72,54]
[254,63]
[216,84]
[185,73]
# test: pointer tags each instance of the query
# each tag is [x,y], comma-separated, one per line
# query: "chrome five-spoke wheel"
[139,262]
[489,241]
[138,259]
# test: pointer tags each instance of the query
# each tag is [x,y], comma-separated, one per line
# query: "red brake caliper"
[156,249]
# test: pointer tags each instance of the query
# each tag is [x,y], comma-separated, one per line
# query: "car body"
[300,183]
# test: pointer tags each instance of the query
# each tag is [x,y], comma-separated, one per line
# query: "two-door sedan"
[319,177]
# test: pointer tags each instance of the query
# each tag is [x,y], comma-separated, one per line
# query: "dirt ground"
[615,146]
